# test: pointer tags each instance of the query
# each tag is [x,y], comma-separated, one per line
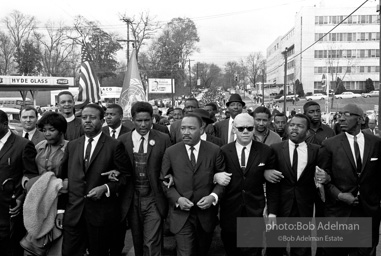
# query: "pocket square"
[374,159]
[261,164]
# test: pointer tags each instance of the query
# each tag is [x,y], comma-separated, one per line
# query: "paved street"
[170,245]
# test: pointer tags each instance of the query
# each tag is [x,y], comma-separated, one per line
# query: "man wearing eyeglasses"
[246,161]
[352,159]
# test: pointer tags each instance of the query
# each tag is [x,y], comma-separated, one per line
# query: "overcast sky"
[228,30]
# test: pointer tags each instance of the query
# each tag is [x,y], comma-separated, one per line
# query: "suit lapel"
[348,151]
[130,147]
[81,146]
[98,148]
[286,155]
[201,155]
[186,156]
[310,151]
[7,145]
[152,137]
[250,161]
[226,130]
[368,147]
[234,157]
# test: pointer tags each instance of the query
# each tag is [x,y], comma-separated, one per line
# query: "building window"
[361,69]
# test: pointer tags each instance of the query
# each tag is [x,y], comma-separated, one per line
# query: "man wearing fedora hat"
[224,129]
[353,160]
[206,120]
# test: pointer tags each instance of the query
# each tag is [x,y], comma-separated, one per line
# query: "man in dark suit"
[372,128]
[92,205]
[194,196]
[246,161]
[145,148]
[17,166]
[28,120]
[224,129]
[296,192]
[352,159]
[113,117]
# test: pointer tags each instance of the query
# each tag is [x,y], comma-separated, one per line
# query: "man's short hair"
[3,117]
[99,108]
[305,117]
[199,119]
[117,106]
[141,106]
[309,104]
[28,108]
[54,119]
[213,105]
[65,93]
[179,109]
[262,110]
[194,99]
[280,115]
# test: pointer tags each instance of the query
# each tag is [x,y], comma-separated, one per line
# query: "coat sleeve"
[219,167]
[166,168]
[272,189]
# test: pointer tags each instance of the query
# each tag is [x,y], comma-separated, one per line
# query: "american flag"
[89,87]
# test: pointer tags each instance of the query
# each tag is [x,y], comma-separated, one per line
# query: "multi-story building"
[350,52]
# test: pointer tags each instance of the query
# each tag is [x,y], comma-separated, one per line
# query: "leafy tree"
[104,46]
[6,53]
[59,56]
[369,86]
[340,88]
[28,59]
[299,88]
[209,74]
[20,28]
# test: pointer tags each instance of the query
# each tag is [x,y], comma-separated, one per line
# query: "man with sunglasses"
[352,159]
[246,161]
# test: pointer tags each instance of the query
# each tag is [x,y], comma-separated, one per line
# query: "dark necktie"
[295,160]
[113,134]
[192,157]
[141,148]
[26,136]
[243,159]
[357,154]
[88,152]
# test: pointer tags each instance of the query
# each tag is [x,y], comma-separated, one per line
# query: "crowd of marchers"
[74,185]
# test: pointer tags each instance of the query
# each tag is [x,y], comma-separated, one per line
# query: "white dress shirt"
[231,122]
[136,139]
[30,134]
[302,156]
[360,141]
[239,148]
[117,131]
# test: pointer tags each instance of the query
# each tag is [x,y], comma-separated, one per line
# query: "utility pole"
[128,21]
[285,79]
[379,82]
[190,76]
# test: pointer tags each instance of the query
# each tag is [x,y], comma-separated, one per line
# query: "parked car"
[316,96]
[288,98]
[371,94]
[13,119]
[347,95]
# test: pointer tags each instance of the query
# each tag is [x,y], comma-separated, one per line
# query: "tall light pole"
[285,79]
[379,80]
[128,21]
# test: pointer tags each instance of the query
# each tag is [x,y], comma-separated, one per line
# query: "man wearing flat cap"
[353,160]
[224,129]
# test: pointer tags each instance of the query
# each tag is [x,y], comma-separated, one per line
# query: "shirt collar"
[5,137]
[301,144]
[69,119]
[196,147]
[30,133]
[203,136]
[360,135]
[117,130]
[240,147]
[136,136]
[95,139]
